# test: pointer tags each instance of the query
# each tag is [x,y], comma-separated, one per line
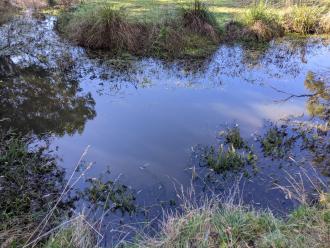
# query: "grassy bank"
[177,29]
[190,31]
[221,224]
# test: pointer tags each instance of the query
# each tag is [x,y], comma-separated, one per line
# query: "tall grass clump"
[100,26]
[258,12]
[198,18]
[262,23]
[303,19]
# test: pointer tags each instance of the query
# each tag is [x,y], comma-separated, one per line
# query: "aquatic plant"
[110,195]
[277,142]
[224,160]
[233,136]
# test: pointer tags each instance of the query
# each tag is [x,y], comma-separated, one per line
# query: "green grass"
[152,10]
[221,224]
[236,226]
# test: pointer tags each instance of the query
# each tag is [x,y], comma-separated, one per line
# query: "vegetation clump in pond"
[233,136]
[230,158]
[110,195]
[223,160]
[276,142]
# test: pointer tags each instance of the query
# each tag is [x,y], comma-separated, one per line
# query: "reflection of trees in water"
[34,100]
[318,105]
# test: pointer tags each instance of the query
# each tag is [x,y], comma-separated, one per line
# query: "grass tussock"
[101,27]
[258,23]
[192,31]
[303,20]
[197,18]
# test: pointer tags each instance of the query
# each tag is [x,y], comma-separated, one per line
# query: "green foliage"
[233,137]
[223,160]
[110,195]
[276,142]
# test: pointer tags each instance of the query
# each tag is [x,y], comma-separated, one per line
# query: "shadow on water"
[40,101]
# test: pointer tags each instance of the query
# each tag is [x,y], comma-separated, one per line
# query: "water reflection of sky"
[147,133]
[149,118]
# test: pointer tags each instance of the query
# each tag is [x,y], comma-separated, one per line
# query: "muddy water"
[144,119]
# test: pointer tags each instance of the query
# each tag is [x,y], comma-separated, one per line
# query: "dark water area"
[146,121]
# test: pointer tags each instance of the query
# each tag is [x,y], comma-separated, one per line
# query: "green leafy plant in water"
[233,136]
[110,195]
[224,160]
[276,142]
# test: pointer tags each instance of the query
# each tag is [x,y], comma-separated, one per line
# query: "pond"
[149,122]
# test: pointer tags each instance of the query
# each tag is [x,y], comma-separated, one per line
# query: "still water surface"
[144,118]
